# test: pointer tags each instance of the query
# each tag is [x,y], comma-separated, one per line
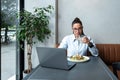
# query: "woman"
[78,42]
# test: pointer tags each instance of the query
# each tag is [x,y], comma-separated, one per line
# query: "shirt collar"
[73,37]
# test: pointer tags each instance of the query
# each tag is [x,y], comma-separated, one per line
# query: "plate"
[86,58]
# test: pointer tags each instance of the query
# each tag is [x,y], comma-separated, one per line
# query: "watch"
[90,44]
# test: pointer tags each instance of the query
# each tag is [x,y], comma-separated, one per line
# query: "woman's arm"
[91,45]
[63,43]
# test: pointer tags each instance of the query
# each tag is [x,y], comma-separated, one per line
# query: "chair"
[116,67]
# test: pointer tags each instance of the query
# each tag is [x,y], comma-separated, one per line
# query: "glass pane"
[8,40]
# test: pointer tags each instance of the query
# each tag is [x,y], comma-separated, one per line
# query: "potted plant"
[34,25]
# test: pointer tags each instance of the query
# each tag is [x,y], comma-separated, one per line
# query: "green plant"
[34,25]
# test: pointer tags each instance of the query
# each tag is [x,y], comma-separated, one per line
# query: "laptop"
[54,58]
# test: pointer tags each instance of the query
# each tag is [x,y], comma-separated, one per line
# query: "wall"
[101,19]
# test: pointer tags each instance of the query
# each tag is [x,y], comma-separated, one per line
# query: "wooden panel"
[109,52]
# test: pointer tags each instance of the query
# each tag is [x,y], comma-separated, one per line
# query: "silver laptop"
[54,58]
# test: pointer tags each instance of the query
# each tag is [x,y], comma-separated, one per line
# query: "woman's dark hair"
[76,20]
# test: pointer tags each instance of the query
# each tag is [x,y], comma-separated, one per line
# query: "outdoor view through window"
[8,39]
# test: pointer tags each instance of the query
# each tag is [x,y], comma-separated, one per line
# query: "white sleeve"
[63,44]
[93,50]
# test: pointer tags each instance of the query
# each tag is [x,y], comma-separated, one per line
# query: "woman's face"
[77,29]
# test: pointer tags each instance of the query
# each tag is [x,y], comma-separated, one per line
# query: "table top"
[94,69]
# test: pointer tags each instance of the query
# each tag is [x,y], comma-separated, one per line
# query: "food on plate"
[77,57]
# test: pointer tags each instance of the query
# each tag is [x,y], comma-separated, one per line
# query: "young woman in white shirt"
[78,42]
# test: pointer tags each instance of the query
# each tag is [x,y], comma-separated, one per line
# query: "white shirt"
[75,46]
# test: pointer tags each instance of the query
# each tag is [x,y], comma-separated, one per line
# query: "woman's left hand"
[85,40]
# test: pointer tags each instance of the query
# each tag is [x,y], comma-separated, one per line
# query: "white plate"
[86,58]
